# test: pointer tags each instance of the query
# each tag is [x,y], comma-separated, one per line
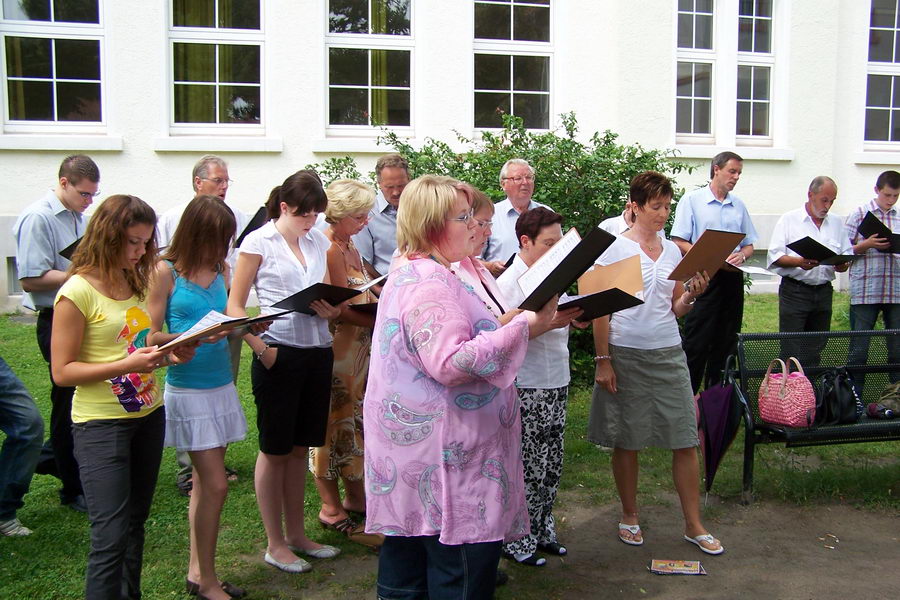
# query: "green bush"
[584,181]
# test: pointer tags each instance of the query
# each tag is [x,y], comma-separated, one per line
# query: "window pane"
[881,45]
[760,83]
[238,104]
[763,41]
[883,13]
[686,5]
[531,23]
[878,90]
[702,116]
[683,116]
[703,80]
[490,108]
[743,118]
[704,26]
[239,64]
[763,8]
[195,104]
[760,118]
[390,68]
[534,110]
[684,83]
[348,107]
[78,59]
[531,73]
[28,57]
[195,62]
[348,16]
[75,11]
[895,125]
[492,72]
[492,22]
[390,107]
[193,13]
[30,100]
[744,82]
[390,17]
[685,31]
[896,94]
[745,8]
[704,6]
[348,66]
[78,101]
[239,14]
[37,10]
[877,122]
[745,35]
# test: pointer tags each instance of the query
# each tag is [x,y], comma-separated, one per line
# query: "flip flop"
[633,530]
[705,539]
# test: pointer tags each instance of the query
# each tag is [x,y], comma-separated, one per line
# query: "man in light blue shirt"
[710,330]
[517,180]
[377,241]
[41,231]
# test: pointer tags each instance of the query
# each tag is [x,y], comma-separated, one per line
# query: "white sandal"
[633,530]
[706,538]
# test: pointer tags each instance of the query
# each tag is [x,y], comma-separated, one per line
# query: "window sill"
[25,141]
[883,157]
[349,145]
[210,143]
[746,152]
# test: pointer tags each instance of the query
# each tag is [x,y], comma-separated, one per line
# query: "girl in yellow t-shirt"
[100,325]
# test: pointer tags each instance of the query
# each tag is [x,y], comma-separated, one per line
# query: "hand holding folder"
[606,289]
[214,323]
[707,254]
[813,250]
[332,294]
[871,225]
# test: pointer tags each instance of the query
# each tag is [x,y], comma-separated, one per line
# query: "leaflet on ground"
[707,254]
[561,265]
[871,225]
[676,567]
[257,221]
[813,250]
[215,322]
[332,294]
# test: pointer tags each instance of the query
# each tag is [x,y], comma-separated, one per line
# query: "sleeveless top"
[188,303]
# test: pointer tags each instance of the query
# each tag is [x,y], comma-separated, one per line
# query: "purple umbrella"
[719,414]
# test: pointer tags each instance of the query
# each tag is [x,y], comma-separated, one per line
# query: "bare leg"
[332,510]
[270,481]
[207,499]
[355,495]
[686,475]
[625,472]
[294,489]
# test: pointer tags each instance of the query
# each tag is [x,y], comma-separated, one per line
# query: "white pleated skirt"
[203,419]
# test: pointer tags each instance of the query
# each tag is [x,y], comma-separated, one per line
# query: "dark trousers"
[60,419]
[711,328]
[119,461]
[21,421]
[803,307]
[420,568]
[864,316]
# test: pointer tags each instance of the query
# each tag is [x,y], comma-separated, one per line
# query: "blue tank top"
[188,303]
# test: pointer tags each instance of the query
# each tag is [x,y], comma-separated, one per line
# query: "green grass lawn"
[50,563]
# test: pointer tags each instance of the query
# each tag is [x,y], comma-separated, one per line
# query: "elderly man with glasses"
[517,180]
[43,229]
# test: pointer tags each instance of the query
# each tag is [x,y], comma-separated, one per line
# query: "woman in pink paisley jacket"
[444,478]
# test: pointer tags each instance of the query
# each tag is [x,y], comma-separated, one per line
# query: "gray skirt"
[654,403]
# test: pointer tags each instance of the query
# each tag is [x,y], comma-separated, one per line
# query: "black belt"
[806,285]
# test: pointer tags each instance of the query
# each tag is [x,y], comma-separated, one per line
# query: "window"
[217,58]
[512,62]
[369,63]
[882,123]
[725,66]
[52,63]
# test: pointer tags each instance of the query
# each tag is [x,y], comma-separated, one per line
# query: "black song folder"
[813,250]
[872,225]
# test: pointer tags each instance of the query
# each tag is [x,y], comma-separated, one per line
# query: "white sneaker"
[13,528]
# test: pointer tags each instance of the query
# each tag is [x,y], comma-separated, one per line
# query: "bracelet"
[602,357]
[691,303]
[261,352]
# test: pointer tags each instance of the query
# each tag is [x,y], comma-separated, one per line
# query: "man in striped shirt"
[875,278]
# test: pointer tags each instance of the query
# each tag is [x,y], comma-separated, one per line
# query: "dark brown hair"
[77,167]
[532,221]
[203,236]
[720,160]
[302,191]
[649,185]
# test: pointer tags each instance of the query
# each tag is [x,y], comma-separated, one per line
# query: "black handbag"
[836,399]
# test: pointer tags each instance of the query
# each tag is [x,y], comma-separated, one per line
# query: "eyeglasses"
[360,218]
[88,195]
[219,181]
[465,218]
[484,224]
[521,179]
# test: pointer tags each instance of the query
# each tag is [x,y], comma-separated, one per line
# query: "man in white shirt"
[804,295]
[517,180]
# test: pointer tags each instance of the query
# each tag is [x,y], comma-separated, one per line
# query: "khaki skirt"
[654,403]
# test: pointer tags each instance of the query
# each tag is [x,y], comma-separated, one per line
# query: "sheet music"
[542,267]
[209,319]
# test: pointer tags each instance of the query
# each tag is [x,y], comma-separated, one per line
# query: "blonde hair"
[348,197]
[425,205]
[480,201]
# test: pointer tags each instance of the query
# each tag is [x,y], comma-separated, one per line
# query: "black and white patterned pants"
[543,428]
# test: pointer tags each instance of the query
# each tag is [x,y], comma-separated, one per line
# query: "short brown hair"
[532,221]
[393,160]
[721,159]
[77,167]
[649,185]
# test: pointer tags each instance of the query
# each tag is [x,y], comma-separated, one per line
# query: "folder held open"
[707,254]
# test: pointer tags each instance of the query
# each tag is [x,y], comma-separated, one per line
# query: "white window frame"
[876,68]
[56,31]
[369,41]
[217,36]
[725,59]
[516,48]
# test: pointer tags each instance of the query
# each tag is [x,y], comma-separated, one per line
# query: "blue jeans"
[420,567]
[119,463]
[21,421]
[863,316]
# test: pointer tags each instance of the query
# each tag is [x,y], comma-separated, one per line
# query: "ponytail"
[273,204]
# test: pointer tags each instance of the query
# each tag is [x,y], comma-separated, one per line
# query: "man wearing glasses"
[517,180]
[43,229]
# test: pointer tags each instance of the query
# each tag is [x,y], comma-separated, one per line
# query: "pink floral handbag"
[787,398]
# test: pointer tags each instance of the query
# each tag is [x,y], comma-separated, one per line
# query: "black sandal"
[234,591]
[554,548]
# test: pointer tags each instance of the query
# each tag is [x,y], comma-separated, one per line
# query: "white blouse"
[280,275]
[652,324]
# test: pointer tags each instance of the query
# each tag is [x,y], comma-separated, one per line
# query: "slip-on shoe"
[298,566]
